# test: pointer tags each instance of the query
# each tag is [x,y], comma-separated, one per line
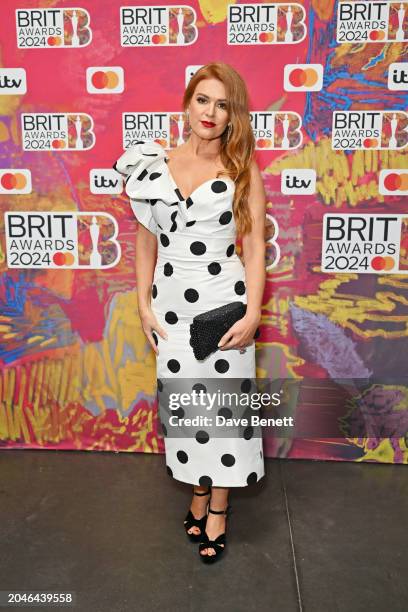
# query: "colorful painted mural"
[76,369]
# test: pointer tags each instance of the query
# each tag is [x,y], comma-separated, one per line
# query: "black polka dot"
[173,365]
[228,460]
[225,217]
[159,384]
[246,385]
[221,365]
[189,202]
[205,481]
[230,250]
[154,176]
[164,240]
[202,437]
[191,295]
[198,248]
[218,186]
[190,223]
[260,454]
[179,194]
[141,175]
[155,338]
[252,478]
[164,428]
[248,432]
[239,287]
[169,471]
[182,456]
[179,412]
[154,291]
[168,269]
[171,317]
[214,268]
[152,202]
[173,218]
[225,412]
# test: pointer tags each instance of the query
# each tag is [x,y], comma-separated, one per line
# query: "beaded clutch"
[208,327]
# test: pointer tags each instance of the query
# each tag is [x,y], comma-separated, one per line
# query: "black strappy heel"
[191,521]
[218,544]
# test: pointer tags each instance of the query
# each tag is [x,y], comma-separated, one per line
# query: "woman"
[190,205]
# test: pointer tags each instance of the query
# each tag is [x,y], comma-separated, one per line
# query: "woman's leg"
[216,522]
[199,506]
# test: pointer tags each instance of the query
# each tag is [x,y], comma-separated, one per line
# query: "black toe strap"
[191,521]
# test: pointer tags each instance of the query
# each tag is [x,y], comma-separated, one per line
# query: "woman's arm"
[146,255]
[241,334]
[253,245]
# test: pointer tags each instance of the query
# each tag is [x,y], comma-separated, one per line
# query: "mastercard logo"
[19,180]
[370,143]
[266,37]
[376,35]
[11,180]
[264,143]
[105,79]
[396,182]
[393,182]
[159,39]
[54,41]
[303,77]
[382,264]
[63,259]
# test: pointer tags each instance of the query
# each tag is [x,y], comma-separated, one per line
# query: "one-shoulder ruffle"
[148,180]
[145,172]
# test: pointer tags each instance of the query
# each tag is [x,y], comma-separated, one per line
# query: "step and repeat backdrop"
[328,83]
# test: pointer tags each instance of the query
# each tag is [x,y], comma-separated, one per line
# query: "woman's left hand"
[241,334]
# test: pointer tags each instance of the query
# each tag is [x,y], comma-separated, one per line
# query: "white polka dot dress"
[197,270]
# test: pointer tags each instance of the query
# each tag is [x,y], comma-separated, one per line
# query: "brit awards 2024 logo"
[52,28]
[72,240]
[272,130]
[366,243]
[371,22]
[150,26]
[266,23]
[362,130]
[57,131]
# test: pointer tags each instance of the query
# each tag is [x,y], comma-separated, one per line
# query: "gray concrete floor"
[312,536]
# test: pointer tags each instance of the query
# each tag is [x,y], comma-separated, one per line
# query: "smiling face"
[208,109]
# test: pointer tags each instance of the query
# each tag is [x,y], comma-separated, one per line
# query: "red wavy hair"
[236,153]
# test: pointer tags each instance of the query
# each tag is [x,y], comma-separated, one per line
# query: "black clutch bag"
[208,328]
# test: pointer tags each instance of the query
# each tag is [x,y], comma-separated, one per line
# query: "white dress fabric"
[197,269]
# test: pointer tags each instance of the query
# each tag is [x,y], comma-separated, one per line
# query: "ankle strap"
[219,511]
[205,492]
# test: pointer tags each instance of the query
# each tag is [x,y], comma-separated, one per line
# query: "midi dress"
[197,269]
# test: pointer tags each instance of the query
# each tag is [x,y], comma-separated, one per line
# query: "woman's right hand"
[150,324]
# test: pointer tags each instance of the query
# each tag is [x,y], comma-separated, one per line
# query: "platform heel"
[218,544]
